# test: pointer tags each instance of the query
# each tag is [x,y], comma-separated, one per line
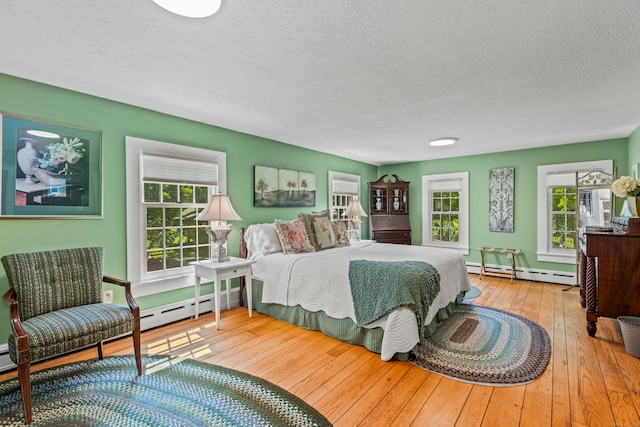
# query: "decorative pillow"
[319,229]
[293,237]
[340,232]
[262,239]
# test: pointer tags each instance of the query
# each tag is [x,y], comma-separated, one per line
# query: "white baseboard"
[156,316]
[533,274]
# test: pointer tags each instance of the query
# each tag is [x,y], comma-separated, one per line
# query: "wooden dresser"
[389,211]
[609,275]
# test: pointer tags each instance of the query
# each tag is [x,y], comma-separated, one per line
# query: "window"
[343,188]
[557,208]
[563,217]
[174,237]
[445,211]
[167,187]
[445,214]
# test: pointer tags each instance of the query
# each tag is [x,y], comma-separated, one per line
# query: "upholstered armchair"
[55,302]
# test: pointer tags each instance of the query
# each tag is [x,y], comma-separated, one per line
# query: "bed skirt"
[345,330]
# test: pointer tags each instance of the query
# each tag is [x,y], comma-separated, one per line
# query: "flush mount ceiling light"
[190,8]
[441,142]
[43,134]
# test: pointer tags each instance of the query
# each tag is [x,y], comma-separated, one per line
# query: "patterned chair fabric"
[55,303]
[54,280]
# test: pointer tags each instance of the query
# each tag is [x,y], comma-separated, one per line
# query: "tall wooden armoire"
[389,211]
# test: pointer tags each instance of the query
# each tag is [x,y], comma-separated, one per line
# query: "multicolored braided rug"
[172,392]
[483,345]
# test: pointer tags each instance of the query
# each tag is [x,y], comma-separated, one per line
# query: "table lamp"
[219,209]
[353,212]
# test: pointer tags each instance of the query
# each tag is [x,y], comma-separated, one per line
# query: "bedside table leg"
[228,287]
[217,302]
[247,285]
[197,306]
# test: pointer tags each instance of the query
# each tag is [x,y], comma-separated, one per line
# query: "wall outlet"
[107,297]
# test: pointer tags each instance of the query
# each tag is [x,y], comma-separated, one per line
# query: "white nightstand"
[219,271]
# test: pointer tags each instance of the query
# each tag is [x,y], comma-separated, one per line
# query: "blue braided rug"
[483,345]
[172,392]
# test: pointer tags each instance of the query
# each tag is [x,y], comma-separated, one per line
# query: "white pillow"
[262,239]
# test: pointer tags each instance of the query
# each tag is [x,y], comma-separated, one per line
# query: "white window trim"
[544,252]
[136,220]
[462,245]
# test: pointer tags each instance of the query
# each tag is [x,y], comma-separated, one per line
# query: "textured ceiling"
[367,80]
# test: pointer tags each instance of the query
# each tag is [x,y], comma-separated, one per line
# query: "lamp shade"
[354,209]
[219,209]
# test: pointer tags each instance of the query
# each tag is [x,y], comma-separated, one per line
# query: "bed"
[310,286]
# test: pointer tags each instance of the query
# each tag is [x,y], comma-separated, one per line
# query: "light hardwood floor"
[589,381]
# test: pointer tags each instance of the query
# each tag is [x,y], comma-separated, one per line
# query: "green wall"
[634,148]
[118,120]
[525,163]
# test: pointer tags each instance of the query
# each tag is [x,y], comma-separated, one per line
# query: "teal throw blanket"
[378,287]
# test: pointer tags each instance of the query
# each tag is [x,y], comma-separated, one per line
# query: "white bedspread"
[320,282]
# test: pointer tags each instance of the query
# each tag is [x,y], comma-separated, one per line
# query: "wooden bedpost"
[243,244]
[243,254]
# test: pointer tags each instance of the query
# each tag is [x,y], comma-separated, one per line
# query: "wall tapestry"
[283,188]
[49,169]
[501,194]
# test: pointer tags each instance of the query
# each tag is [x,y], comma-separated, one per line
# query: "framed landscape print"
[49,169]
[501,199]
[283,188]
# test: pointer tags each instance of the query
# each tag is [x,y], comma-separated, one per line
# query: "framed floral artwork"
[49,169]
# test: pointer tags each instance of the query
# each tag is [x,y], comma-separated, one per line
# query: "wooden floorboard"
[590,381]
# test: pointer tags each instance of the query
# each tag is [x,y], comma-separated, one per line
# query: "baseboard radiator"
[157,316]
[533,274]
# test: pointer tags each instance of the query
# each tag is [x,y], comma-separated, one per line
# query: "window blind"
[445,185]
[178,170]
[345,187]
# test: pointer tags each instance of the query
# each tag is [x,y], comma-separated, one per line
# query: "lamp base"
[218,239]
[219,254]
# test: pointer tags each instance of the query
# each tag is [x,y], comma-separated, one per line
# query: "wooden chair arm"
[127,291]
[16,323]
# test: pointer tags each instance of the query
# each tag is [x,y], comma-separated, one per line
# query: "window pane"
[558,222]
[170,193]
[154,217]
[188,216]
[435,233]
[155,261]
[174,259]
[154,239]
[202,194]
[203,237]
[203,252]
[437,204]
[189,236]
[455,204]
[446,205]
[172,217]
[186,194]
[172,238]
[151,192]
[571,240]
[188,255]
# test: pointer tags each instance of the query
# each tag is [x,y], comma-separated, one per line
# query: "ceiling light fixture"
[43,134]
[190,8]
[441,142]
